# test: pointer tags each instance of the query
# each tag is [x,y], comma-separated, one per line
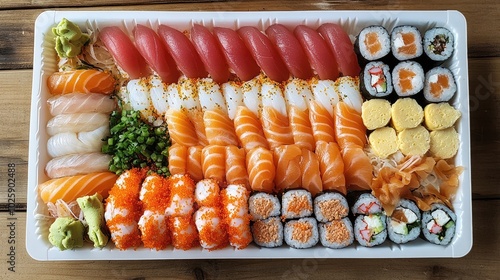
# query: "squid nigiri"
[72,143]
[77,164]
[72,103]
[78,122]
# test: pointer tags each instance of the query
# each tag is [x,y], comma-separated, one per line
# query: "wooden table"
[483,262]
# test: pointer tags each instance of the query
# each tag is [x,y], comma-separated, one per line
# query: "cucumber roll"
[439,224]
[336,234]
[438,44]
[375,80]
[404,224]
[301,233]
[408,78]
[439,85]
[373,43]
[370,230]
[406,42]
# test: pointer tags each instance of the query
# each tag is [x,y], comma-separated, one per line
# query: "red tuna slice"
[318,52]
[237,55]
[290,50]
[264,53]
[124,52]
[342,48]
[210,53]
[156,54]
[183,52]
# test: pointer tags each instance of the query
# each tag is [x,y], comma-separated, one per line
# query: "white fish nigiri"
[298,94]
[78,122]
[81,103]
[348,90]
[73,143]
[210,94]
[139,97]
[188,94]
[325,94]
[77,164]
[173,97]
[272,96]
[251,95]
[234,98]
[158,95]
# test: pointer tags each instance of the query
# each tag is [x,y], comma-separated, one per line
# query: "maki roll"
[438,44]
[406,42]
[263,205]
[438,224]
[373,43]
[336,234]
[301,233]
[404,223]
[370,230]
[439,85]
[408,78]
[268,232]
[330,206]
[366,204]
[375,80]
[296,204]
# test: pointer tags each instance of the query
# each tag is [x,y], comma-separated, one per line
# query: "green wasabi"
[93,212]
[66,233]
[69,39]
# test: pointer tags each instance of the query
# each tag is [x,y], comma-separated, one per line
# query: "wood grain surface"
[483,262]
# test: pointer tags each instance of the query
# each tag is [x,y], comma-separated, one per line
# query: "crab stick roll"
[235,208]
[439,85]
[406,42]
[370,230]
[408,78]
[182,196]
[438,44]
[336,234]
[183,232]
[296,204]
[404,223]
[438,224]
[207,193]
[375,80]
[263,205]
[365,204]
[211,228]
[123,209]
[153,223]
[268,232]
[302,233]
[373,43]
[330,206]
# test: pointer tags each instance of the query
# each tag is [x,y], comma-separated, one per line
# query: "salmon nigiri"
[310,170]
[261,169]
[219,128]
[301,128]
[331,166]
[276,127]
[349,127]
[213,162]
[180,128]
[358,169]
[236,169]
[249,129]
[322,123]
[177,157]
[193,163]
[72,187]
[287,160]
[81,81]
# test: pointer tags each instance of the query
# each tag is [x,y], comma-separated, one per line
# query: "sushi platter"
[428,80]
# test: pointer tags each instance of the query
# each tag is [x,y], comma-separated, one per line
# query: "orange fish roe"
[207,193]
[124,197]
[337,232]
[181,200]
[184,234]
[212,230]
[155,194]
[332,209]
[235,209]
[302,231]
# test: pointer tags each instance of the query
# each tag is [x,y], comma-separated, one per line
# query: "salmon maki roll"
[310,170]
[193,163]
[72,187]
[177,159]
[153,224]
[180,128]
[124,209]
[331,166]
[301,128]
[349,127]
[262,170]
[213,162]
[249,129]
[276,128]
[81,81]
[322,123]
[288,173]
[219,128]
[236,169]
[358,169]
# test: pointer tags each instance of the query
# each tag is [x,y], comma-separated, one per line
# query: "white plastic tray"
[45,63]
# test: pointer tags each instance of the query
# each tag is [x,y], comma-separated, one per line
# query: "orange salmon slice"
[442,83]
[405,78]
[373,43]
[409,44]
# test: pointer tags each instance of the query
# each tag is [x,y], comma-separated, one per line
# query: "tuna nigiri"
[81,81]
[124,51]
[288,173]
[72,187]
[72,103]
[261,169]
[77,164]
[331,166]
